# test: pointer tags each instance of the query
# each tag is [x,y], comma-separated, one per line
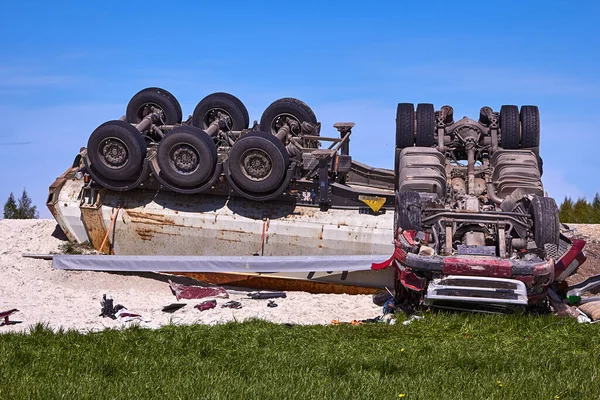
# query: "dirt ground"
[591,234]
[71,299]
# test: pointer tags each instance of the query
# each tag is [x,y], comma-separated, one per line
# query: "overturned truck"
[470,222]
[473,227]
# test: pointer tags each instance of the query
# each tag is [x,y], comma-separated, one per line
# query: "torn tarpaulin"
[197,292]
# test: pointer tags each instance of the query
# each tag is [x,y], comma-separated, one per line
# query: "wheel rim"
[216,113]
[148,108]
[256,164]
[113,153]
[280,120]
[184,159]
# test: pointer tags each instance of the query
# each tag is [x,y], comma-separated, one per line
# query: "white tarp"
[256,264]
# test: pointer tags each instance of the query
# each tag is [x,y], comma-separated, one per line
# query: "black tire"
[137,106]
[116,150]
[224,102]
[530,126]
[408,211]
[187,156]
[510,127]
[483,115]
[546,226]
[405,125]
[273,117]
[425,131]
[258,162]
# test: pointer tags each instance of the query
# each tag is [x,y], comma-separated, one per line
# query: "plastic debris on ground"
[4,316]
[267,295]
[125,316]
[206,305]
[232,304]
[171,308]
[411,319]
[591,310]
[118,312]
[197,292]
[108,308]
[272,304]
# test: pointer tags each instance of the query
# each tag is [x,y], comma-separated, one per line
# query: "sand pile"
[71,299]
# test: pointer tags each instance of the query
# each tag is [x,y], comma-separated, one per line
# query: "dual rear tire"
[415,128]
[519,129]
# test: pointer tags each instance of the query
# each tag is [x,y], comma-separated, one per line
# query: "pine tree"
[582,211]
[565,212]
[10,207]
[596,209]
[25,210]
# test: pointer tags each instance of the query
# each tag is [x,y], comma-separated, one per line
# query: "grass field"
[440,357]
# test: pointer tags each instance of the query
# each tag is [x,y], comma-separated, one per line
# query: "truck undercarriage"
[473,228]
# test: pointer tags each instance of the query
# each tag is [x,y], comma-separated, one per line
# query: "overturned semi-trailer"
[150,183]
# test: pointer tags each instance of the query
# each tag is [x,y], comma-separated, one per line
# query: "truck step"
[456,292]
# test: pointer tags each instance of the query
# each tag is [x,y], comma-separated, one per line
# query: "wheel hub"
[256,164]
[149,108]
[218,114]
[114,153]
[184,159]
[281,120]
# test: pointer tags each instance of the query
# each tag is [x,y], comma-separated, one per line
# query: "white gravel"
[71,299]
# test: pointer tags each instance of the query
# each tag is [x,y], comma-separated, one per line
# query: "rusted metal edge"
[52,199]
[272,283]
[93,222]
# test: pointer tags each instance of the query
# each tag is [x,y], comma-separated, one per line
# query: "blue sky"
[66,67]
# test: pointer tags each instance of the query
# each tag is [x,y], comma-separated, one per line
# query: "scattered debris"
[125,316]
[559,306]
[338,322]
[592,310]
[171,308]
[38,256]
[411,319]
[271,304]
[267,295]
[108,309]
[390,306]
[5,314]
[382,297]
[232,304]
[206,305]
[197,292]
[576,291]
[117,312]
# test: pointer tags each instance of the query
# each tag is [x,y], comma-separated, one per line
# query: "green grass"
[440,357]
